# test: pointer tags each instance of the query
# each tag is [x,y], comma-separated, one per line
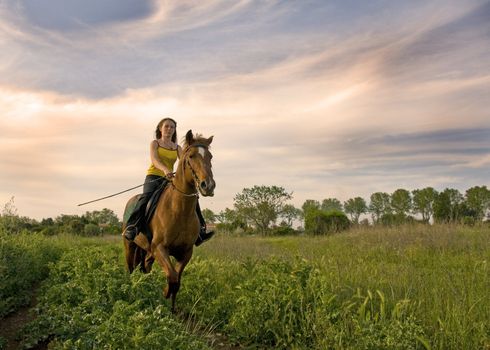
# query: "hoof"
[166,292]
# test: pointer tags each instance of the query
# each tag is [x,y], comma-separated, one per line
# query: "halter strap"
[185,161]
[195,194]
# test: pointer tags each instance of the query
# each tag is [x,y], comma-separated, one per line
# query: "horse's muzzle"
[206,187]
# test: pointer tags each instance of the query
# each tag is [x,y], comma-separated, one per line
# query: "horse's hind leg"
[148,262]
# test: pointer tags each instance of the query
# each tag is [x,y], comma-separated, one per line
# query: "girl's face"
[167,129]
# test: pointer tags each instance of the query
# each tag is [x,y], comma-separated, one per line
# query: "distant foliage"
[423,202]
[401,202]
[330,204]
[260,206]
[478,201]
[379,206]
[209,216]
[92,223]
[230,220]
[355,207]
[318,222]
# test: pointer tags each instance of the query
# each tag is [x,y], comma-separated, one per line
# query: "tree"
[289,213]
[11,222]
[447,205]
[261,205]
[230,220]
[379,205]
[91,229]
[355,207]
[330,204]
[71,224]
[309,206]
[401,202]
[209,216]
[9,208]
[477,199]
[423,202]
[106,221]
[102,217]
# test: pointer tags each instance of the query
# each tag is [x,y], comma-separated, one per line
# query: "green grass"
[24,260]
[441,272]
[411,287]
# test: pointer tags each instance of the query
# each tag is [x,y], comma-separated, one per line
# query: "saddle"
[150,210]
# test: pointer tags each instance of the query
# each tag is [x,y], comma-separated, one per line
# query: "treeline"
[92,223]
[264,209]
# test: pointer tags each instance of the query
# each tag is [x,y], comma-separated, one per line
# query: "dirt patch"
[13,323]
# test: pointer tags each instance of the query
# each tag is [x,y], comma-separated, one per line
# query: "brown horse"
[175,224]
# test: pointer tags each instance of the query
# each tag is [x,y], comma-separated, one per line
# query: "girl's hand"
[169,175]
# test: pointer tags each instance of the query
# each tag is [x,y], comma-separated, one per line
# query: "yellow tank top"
[168,158]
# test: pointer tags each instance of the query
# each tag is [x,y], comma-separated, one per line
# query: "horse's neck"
[183,191]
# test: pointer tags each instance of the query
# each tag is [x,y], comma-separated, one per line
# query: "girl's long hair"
[158,133]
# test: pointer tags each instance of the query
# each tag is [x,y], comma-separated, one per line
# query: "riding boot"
[136,219]
[203,236]
[130,232]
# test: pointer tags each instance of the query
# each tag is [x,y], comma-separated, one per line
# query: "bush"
[91,230]
[318,222]
[282,231]
[396,219]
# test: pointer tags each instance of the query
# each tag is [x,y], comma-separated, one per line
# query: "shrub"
[282,231]
[318,222]
[91,230]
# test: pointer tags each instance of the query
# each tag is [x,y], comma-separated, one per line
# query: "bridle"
[185,163]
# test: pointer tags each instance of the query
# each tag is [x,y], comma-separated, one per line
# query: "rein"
[194,175]
[115,194]
[196,194]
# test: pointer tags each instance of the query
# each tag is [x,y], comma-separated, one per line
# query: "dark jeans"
[152,183]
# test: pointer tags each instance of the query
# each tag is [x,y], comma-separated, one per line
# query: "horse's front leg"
[163,258]
[182,262]
[179,268]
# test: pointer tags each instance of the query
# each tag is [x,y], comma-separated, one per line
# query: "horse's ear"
[210,139]
[189,138]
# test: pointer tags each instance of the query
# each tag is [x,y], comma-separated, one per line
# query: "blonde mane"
[198,138]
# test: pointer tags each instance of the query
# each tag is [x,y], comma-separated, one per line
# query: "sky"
[325,98]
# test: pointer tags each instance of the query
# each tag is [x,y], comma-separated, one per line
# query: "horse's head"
[196,162]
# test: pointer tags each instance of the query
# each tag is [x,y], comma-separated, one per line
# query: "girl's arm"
[155,159]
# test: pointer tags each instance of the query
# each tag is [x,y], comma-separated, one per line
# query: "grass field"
[412,287]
